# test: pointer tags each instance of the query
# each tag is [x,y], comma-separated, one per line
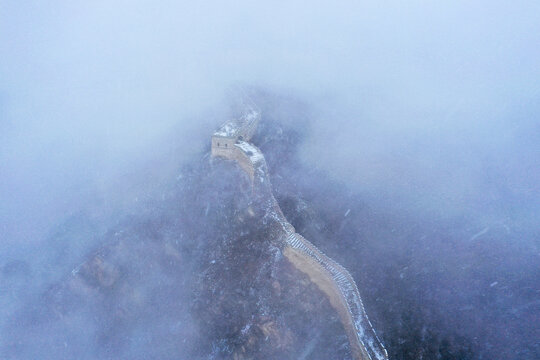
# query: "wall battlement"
[231,142]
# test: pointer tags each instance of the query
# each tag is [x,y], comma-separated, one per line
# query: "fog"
[428,107]
[86,87]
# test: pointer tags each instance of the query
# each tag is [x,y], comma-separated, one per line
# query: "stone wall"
[223,146]
[340,288]
[245,162]
[247,130]
[330,277]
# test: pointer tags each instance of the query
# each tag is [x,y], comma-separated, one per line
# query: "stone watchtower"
[241,128]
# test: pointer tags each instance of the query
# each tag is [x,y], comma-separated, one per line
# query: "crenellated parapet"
[231,141]
[339,286]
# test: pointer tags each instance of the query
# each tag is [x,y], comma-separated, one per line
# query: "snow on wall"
[362,330]
[334,280]
[242,127]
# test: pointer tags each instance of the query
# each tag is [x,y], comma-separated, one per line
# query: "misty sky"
[429,99]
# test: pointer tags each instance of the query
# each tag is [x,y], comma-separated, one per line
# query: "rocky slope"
[193,274]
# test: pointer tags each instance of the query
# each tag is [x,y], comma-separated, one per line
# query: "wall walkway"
[330,277]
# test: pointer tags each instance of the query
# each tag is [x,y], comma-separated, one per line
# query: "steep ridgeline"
[231,141]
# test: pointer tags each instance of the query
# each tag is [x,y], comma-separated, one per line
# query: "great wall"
[231,141]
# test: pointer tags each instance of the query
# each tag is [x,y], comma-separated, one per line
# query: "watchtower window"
[225,144]
[218,144]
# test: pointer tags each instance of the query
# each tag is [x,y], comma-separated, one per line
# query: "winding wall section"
[330,277]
